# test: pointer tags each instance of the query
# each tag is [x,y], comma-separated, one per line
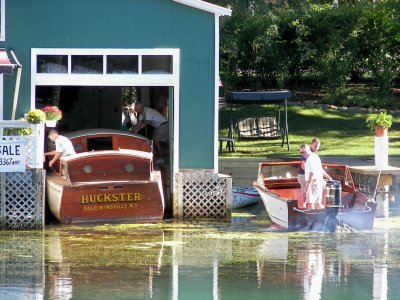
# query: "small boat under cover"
[282,197]
[110,179]
[244,196]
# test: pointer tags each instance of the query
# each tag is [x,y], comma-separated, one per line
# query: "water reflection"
[380,270]
[312,274]
[103,263]
[198,261]
[21,266]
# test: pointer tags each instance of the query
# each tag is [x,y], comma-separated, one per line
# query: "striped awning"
[6,67]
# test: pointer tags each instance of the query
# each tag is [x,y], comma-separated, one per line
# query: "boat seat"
[288,193]
[281,183]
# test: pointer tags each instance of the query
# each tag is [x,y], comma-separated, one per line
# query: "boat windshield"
[335,172]
[340,173]
[349,179]
[285,170]
[290,170]
[99,143]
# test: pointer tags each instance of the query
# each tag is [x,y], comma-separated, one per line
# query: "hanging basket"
[380,131]
[51,123]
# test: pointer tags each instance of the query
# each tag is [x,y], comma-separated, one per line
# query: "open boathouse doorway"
[92,87]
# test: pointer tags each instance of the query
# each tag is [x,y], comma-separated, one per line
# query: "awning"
[6,67]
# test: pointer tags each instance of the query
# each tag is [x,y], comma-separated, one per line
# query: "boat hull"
[286,214]
[114,202]
[244,196]
[110,179]
[276,208]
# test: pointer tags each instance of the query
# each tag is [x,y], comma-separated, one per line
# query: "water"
[242,259]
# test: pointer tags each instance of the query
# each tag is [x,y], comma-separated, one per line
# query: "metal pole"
[286,126]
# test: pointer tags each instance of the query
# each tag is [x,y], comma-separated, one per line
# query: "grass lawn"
[341,133]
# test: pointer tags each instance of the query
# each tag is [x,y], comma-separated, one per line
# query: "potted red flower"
[53,114]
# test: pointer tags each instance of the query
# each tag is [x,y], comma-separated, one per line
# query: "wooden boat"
[110,179]
[282,197]
[244,196]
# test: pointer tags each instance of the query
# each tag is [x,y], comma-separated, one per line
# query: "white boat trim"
[147,155]
[274,204]
[55,193]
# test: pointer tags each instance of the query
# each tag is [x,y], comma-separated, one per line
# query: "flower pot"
[51,123]
[380,131]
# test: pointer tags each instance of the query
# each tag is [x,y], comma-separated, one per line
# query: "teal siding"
[125,24]
[197,117]
[197,88]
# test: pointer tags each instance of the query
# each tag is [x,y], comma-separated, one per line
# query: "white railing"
[35,141]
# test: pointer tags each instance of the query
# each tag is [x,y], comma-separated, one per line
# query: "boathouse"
[88,57]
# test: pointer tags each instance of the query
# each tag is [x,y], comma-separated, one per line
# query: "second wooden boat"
[244,196]
[282,197]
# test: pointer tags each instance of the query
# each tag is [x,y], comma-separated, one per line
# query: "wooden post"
[38,145]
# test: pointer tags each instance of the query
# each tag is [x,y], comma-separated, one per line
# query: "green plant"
[53,113]
[381,119]
[18,131]
[36,116]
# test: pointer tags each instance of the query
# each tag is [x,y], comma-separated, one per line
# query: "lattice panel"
[204,195]
[365,183]
[22,199]
[368,183]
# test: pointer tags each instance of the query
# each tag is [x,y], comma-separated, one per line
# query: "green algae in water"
[263,222]
[242,215]
[107,261]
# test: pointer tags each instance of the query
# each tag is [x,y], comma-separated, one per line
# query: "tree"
[266,44]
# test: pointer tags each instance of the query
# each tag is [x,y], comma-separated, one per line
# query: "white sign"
[12,156]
